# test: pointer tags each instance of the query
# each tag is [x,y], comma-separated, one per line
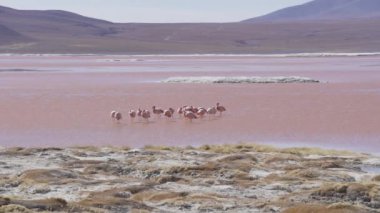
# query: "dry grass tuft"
[20,151]
[153,196]
[376,178]
[236,148]
[14,208]
[304,173]
[81,163]
[161,148]
[336,208]
[316,151]
[51,204]
[86,148]
[349,192]
[107,169]
[48,176]
[238,157]
[16,151]
[281,158]
[4,201]
[244,147]
[168,178]
[116,199]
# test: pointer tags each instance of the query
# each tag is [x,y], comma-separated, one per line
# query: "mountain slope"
[53,22]
[8,35]
[325,10]
[30,31]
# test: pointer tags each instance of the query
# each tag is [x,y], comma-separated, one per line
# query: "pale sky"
[155,11]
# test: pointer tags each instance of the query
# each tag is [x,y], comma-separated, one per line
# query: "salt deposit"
[240,79]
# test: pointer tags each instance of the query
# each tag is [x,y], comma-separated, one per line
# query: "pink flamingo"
[146,115]
[220,108]
[168,113]
[171,110]
[157,111]
[190,115]
[180,111]
[118,116]
[201,111]
[132,113]
[188,108]
[212,111]
[113,113]
[139,114]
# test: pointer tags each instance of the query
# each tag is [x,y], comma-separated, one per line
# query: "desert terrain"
[210,178]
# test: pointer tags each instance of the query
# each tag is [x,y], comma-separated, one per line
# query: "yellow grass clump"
[161,148]
[244,147]
[14,208]
[334,208]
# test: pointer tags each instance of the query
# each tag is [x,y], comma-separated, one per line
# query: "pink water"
[66,100]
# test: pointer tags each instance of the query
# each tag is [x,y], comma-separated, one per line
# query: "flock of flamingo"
[188,112]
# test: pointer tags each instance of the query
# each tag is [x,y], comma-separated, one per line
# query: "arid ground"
[210,178]
[66,100]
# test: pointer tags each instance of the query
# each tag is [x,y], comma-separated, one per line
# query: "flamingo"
[146,115]
[190,115]
[157,111]
[132,114]
[180,111]
[188,108]
[113,113]
[220,108]
[168,113]
[139,114]
[201,111]
[171,110]
[118,116]
[212,111]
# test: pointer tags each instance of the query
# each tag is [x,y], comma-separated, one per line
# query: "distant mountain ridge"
[325,10]
[53,22]
[55,31]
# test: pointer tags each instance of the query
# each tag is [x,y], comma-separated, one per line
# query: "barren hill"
[325,10]
[52,31]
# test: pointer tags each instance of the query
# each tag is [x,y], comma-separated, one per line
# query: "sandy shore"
[223,178]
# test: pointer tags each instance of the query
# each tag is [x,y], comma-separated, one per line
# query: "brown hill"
[325,10]
[26,31]
[10,36]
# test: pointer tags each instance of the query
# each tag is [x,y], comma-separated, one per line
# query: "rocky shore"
[218,178]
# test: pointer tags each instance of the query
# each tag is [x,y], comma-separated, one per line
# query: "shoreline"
[269,55]
[223,178]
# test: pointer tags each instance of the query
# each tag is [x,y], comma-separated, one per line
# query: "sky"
[160,11]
